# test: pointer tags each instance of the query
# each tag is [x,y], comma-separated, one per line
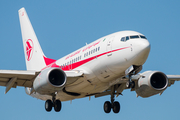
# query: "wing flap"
[4,79]
[14,78]
[3,83]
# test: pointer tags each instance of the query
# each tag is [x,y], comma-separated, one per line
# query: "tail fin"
[34,56]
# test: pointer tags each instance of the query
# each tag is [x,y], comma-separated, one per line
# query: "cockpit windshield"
[132,37]
[143,37]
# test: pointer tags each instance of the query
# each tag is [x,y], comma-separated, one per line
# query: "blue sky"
[64,26]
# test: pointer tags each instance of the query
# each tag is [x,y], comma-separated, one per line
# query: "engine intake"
[158,80]
[49,81]
[57,77]
[151,83]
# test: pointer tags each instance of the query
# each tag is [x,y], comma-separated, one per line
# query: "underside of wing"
[173,78]
[145,84]
[14,78]
[72,76]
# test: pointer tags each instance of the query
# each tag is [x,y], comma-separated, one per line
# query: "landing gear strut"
[130,84]
[54,103]
[132,70]
[114,105]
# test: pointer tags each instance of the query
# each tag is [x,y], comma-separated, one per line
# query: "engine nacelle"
[49,81]
[151,83]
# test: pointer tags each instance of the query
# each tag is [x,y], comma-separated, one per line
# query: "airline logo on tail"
[29,49]
[22,13]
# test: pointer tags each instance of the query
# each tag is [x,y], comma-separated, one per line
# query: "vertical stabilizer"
[34,55]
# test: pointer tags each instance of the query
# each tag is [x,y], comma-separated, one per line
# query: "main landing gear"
[54,103]
[115,106]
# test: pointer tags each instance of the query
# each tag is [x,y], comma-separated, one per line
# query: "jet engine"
[49,81]
[151,83]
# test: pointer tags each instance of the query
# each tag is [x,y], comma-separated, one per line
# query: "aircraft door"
[70,64]
[109,46]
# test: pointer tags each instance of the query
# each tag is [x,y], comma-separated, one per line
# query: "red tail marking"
[48,60]
[29,49]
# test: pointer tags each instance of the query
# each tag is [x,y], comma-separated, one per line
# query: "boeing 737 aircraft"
[106,66]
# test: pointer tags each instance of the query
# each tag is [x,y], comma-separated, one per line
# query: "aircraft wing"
[173,78]
[13,78]
[122,83]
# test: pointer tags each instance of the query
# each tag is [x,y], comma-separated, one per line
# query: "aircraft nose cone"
[142,50]
[144,45]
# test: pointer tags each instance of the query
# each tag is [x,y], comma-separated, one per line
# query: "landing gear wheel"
[116,107]
[48,105]
[57,105]
[107,107]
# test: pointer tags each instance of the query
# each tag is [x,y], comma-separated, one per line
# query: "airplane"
[107,66]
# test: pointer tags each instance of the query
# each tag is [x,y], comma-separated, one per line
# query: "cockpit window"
[133,37]
[127,38]
[123,39]
[143,37]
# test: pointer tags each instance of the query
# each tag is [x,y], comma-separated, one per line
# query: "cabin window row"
[91,52]
[71,61]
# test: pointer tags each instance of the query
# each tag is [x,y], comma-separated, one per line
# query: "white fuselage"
[102,62]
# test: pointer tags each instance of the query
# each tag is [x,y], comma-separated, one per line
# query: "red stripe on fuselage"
[77,64]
